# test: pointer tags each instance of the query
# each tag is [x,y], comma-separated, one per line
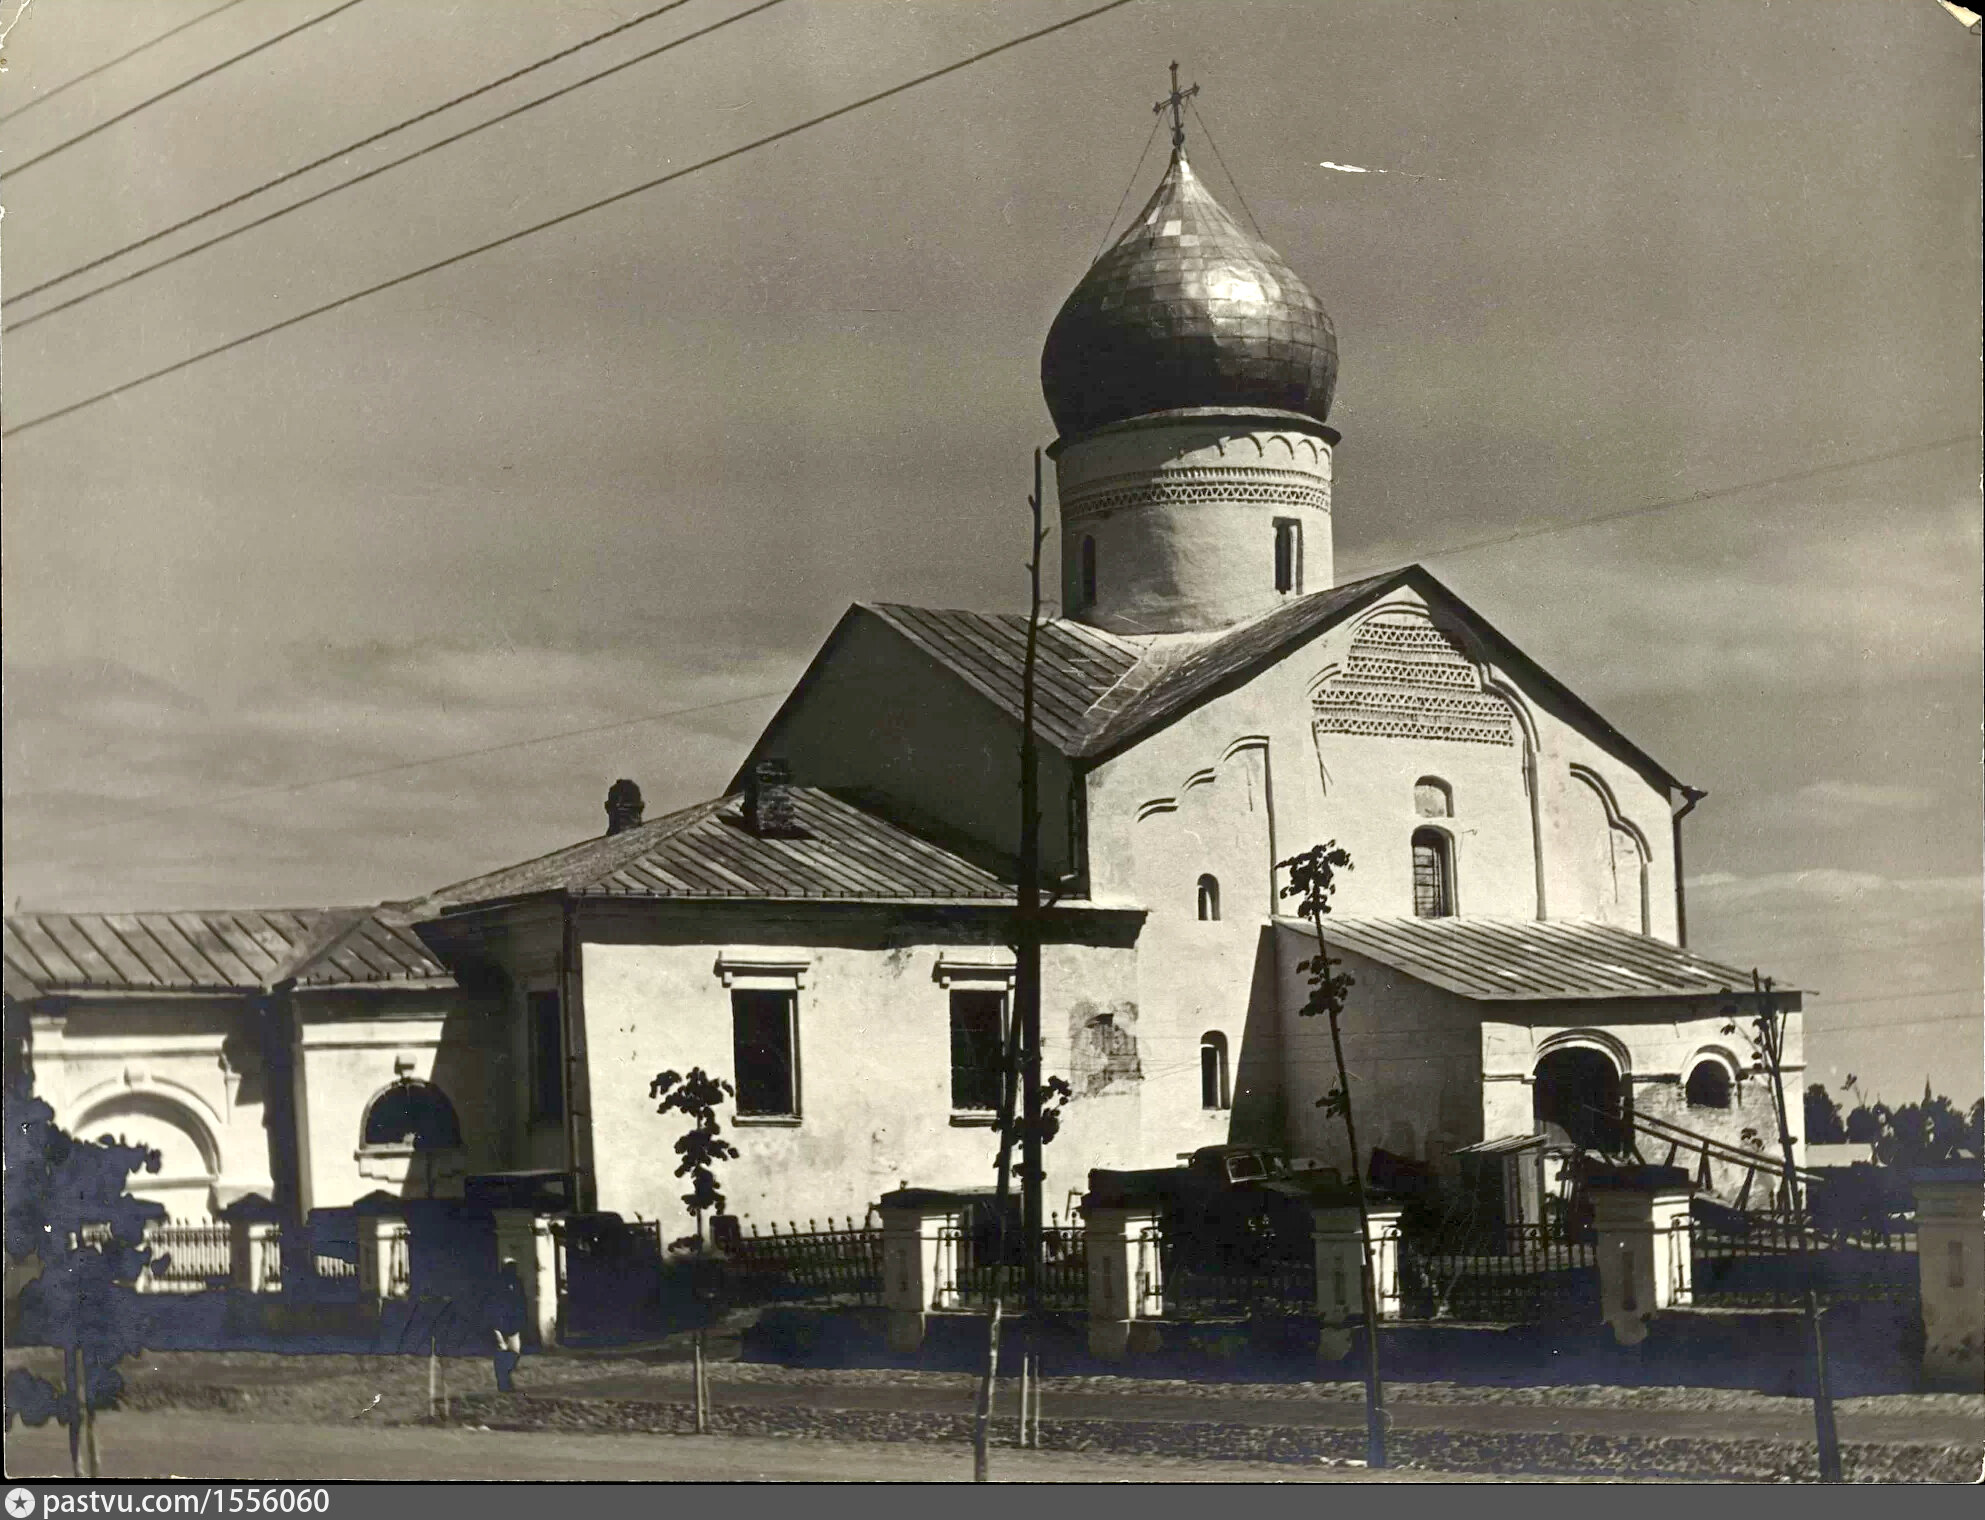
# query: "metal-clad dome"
[1187,310]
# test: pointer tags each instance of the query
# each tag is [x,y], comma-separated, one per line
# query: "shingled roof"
[706,852]
[1100,692]
[1524,960]
[215,950]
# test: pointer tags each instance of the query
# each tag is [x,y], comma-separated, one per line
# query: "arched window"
[1213,1089]
[1708,1085]
[1088,572]
[1433,875]
[1209,899]
[1433,798]
[412,1113]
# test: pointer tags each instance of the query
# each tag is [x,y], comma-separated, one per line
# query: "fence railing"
[1241,1275]
[970,1259]
[1528,1273]
[832,1264]
[1762,1261]
[197,1256]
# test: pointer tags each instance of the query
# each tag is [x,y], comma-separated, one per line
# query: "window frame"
[1003,998]
[1436,784]
[1442,843]
[789,999]
[1722,1070]
[983,970]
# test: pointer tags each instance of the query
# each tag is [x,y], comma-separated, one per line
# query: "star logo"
[20,1503]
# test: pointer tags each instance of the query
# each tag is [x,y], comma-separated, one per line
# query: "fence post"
[1126,1281]
[919,1260]
[1950,1262]
[525,1238]
[1639,1215]
[375,1250]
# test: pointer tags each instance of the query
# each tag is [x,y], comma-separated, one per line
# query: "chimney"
[624,807]
[768,801]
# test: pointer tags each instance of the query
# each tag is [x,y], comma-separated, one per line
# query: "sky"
[622,476]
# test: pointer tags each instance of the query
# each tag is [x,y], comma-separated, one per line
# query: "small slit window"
[1209,899]
[1433,798]
[547,1057]
[1288,554]
[1433,875]
[978,1021]
[1214,1092]
[1708,1085]
[1086,571]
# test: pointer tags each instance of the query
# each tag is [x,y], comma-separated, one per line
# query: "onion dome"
[1187,310]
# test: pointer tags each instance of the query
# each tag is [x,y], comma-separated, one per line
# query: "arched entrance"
[1578,1099]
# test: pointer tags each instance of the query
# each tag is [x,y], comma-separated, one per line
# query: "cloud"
[1850,801]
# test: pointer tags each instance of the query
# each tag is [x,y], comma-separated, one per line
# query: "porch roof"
[1523,960]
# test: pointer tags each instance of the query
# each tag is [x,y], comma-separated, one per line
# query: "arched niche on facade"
[1607,858]
[189,1154]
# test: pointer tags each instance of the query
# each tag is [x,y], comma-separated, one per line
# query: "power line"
[1940,1018]
[559,220]
[332,157]
[1792,477]
[125,57]
[287,788]
[206,73]
[1124,200]
[1901,997]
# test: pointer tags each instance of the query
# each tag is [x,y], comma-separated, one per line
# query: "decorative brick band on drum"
[1406,679]
[1200,485]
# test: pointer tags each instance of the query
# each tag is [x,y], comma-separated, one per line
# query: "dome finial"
[1176,100]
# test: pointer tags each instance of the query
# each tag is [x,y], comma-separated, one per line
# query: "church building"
[832,935]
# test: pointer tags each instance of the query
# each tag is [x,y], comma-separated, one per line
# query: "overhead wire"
[125,57]
[563,217]
[184,84]
[1239,195]
[337,153]
[1124,200]
[290,788]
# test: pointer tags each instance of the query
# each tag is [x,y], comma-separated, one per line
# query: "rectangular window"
[765,1047]
[1288,554]
[977,1033]
[547,1056]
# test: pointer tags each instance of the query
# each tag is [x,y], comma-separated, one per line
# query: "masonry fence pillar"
[375,1249]
[1340,1261]
[1640,1215]
[920,1245]
[1950,1256]
[1126,1278]
[253,1245]
[525,1238]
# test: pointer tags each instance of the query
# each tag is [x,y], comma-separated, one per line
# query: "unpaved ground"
[208,1446]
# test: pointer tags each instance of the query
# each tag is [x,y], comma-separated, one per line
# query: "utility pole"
[1027,922]
[1771,1036]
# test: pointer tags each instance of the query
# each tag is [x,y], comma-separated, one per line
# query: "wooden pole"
[702,1390]
[1375,1415]
[1824,1428]
[433,1377]
[1027,925]
[982,1413]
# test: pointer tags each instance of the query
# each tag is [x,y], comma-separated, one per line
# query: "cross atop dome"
[1176,100]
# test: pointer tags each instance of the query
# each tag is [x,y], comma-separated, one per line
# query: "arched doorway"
[1578,1100]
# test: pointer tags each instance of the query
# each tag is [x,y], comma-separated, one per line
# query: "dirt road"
[220,1446]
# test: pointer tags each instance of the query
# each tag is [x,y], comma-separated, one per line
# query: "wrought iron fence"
[1763,1261]
[1530,1273]
[971,1257]
[836,1264]
[399,1272]
[1243,1273]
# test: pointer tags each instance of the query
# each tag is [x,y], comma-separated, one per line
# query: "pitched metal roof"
[1522,960]
[223,950]
[705,852]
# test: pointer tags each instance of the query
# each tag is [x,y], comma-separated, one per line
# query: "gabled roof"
[1099,693]
[706,852]
[214,950]
[1523,960]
